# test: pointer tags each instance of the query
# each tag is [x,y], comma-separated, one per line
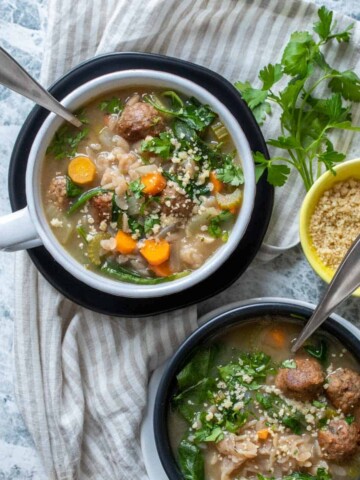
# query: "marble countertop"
[22,32]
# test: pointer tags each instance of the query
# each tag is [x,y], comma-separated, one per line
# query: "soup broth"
[147,190]
[247,408]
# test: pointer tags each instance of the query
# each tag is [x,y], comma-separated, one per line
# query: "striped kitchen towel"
[81,377]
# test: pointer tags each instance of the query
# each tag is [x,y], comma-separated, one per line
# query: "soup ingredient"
[343,389]
[191,461]
[81,170]
[339,440]
[306,117]
[139,120]
[125,244]
[94,247]
[263,434]
[175,203]
[112,106]
[303,382]
[156,251]
[85,197]
[319,351]
[154,183]
[113,269]
[215,223]
[335,223]
[57,191]
[66,141]
[102,205]
[162,270]
[321,474]
[217,185]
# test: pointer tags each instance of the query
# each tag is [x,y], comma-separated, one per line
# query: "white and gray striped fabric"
[81,377]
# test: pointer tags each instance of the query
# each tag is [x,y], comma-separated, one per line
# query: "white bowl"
[29,227]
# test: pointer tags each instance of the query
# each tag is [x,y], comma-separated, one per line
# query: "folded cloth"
[81,377]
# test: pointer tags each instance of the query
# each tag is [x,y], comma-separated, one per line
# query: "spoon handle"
[345,281]
[13,76]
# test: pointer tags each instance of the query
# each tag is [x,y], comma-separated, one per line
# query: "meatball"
[57,191]
[339,440]
[303,382]
[101,207]
[176,203]
[139,120]
[343,389]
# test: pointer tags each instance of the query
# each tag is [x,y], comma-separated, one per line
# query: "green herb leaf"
[176,101]
[191,461]
[136,187]
[318,404]
[289,363]
[150,222]
[323,26]
[270,75]
[85,197]
[72,190]
[298,54]
[66,142]
[115,210]
[346,83]
[114,105]
[230,173]
[330,157]
[160,145]
[135,226]
[296,423]
[276,174]
[349,419]
[214,228]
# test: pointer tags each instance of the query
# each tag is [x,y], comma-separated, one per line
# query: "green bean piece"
[120,273]
[84,197]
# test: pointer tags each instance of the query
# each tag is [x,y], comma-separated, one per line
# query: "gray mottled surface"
[22,27]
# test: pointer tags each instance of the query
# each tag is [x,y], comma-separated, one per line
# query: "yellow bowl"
[349,169]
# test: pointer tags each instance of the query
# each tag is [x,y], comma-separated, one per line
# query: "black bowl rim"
[215,321]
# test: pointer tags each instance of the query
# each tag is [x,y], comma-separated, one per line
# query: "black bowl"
[218,322]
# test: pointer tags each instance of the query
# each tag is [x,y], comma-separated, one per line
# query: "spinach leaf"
[196,115]
[72,190]
[319,351]
[296,422]
[198,368]
[191,461]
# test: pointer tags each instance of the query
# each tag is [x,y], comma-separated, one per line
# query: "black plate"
[230,271]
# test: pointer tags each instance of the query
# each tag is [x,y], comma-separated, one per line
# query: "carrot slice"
[218,186]
[125,244]
[81,170]
[153,182]
[156,252]
[263,434]
[162,270]
[277,337]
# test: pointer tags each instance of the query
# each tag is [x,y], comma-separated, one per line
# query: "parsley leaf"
[306,119]
[319,351]
[289,363]
[160,145]
[230,173]
[135,226]
[349,419]
[150,222]
[276,174]
[270,75]
[214,227]
[65,142]
[136,187]
[114,105]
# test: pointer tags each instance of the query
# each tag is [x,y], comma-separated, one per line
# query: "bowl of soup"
[149,197]
[235,403]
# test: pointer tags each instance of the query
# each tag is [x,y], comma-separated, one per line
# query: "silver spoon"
[13,76]
[345,281]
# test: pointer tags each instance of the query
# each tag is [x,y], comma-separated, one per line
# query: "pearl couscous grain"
[335,223]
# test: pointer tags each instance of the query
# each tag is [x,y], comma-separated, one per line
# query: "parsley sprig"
[306,118]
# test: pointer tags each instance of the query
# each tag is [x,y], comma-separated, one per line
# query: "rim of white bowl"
[85,94]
